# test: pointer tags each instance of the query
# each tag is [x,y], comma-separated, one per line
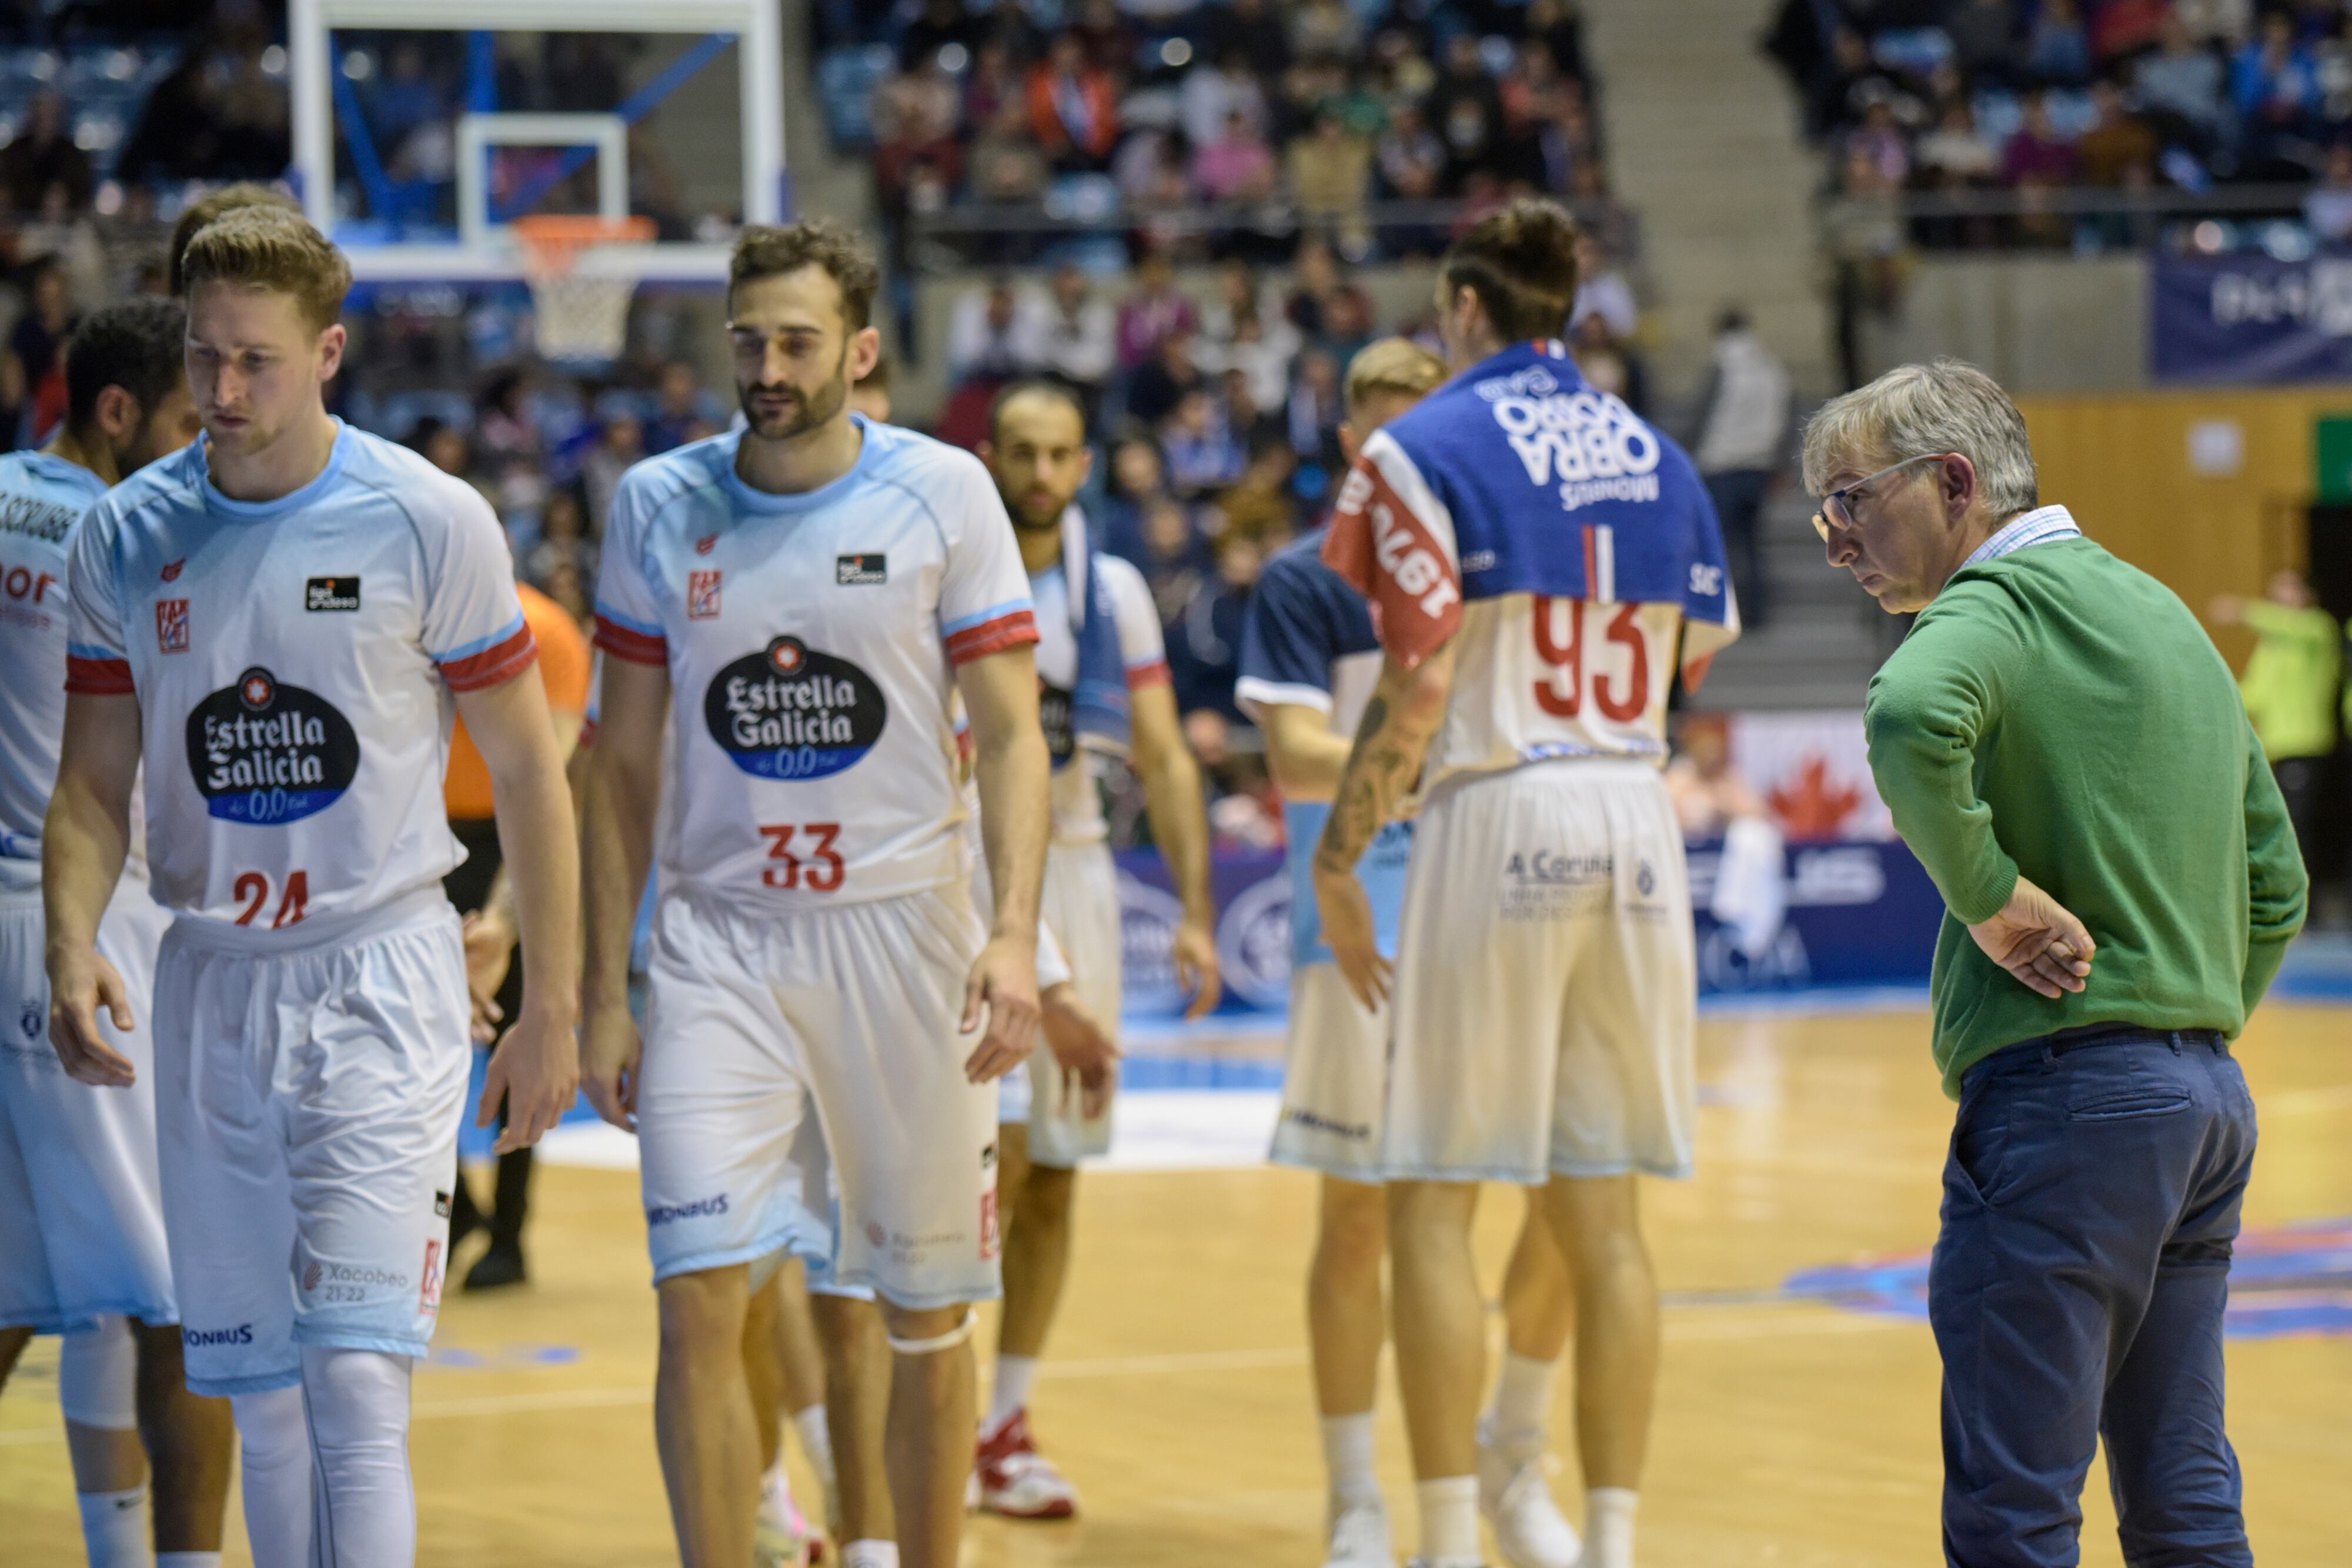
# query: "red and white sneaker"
[1015,1480]
[784,1538]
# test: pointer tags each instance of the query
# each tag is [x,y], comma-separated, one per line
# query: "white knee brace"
[97,1377]
[948,1340]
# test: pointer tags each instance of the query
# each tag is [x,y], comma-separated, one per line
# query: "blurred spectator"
[2117,138]
[620,446]
[1326,29]
[2328,208]
[1137,478]
[2058,47]
[989,334]
[1313,412]
[1248,31]
[563,546]
[1743,429]
[2290,686]
[1072,109]
[1330,169]
[1201,450]
[443,444]
[2184,79]
[1160,382]
[1204,644]
[33,372]
[683,411]
[1074,334]
[1863,233]
[1602,293]
[1153,309]
[1956,154]
[995,83]
[1007,165]
[1236,164]
[42,155]
[1173,558]
[1216,90]
[1467,113]
[2037,154]
[1984,38]
[1260,353]
[1260,504]
[937,24]
[1110,42]
[2274,81]
[1411,158]
[505,428]
[1251,421]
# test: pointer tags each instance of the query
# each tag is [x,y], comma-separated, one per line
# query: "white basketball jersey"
[294,662]
[811,641]
[1076,793]
[41,499]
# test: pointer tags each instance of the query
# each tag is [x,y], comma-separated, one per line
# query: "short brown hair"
[765,252]
[1391,365]
[1522,261]
[208,209]
[265,247]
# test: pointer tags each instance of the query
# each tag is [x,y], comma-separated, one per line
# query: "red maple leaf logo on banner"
[1811,806]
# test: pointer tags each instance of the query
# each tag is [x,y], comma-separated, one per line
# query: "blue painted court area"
[2286,1279]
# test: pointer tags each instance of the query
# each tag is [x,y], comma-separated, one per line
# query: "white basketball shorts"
[1546,982]
[81,1211]
[1334,1080]
[757,1021]
[1080,904]
[308,1088]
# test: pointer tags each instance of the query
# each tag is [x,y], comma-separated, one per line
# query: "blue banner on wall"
[2249,318]
[1859,912]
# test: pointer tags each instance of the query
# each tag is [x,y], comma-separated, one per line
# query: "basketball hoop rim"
[551,242]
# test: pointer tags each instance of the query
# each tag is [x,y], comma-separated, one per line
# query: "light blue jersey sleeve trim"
[981,618]
[482,645]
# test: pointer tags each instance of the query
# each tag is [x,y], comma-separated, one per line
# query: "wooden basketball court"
[1791,1431]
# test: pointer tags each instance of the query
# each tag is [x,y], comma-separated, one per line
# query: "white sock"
[870,1554]
[1449,1521]
[274,1442]
[1609,1527]
[358,1401]
[817,1444]
[1015,1376]
[114,1528]
[1522,1396]
[1348,1457]
[187,1559]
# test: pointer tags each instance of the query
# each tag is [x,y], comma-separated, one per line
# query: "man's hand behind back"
[2039,941]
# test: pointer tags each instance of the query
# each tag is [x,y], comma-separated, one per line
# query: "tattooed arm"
[1404,711]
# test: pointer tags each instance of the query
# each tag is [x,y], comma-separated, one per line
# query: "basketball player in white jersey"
[281,623]
[81,1216]
[1539,561]
[815,591]
[1104,692]
[1309,656]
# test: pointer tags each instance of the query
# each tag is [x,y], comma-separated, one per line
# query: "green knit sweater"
[2058,713]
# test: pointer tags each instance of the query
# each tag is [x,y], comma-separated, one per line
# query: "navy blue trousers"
[2090,1200]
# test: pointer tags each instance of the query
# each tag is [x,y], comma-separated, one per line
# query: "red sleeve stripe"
[98,677]
[1154,673]
[624,643]
[500,663]
[993,637]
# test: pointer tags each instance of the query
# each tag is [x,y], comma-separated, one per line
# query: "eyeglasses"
[1837,508]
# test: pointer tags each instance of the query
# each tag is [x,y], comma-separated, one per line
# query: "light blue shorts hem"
[1362,1175]
[725,1258]
[1514,1175]
[914,1303]
[84,1320]
[845,1292]
[330,1339]
[1597,1170]
[258,1383]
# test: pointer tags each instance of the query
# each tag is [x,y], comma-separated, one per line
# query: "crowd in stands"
[2038,95]
[1286,114]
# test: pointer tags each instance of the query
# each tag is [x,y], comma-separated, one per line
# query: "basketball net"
[579,316]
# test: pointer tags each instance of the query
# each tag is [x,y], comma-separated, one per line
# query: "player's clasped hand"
[1004,979]
[2038,940]
[611,1055]
[76,993]
[1346,913]
[536,1069]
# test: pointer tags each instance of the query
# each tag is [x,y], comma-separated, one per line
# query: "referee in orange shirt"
[480,891]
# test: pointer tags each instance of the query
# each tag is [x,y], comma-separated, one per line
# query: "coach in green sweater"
[2065,751]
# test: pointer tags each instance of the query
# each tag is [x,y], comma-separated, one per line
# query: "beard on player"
[779,410]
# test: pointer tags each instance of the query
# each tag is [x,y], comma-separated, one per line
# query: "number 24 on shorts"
[822,869]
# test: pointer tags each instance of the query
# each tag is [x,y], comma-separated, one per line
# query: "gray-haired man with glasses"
[2065,751]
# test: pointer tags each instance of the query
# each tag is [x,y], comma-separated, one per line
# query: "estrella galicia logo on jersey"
[264,752]
[791,712]
[861,571]
[331,593]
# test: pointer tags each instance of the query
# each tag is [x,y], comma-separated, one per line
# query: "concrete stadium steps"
[1703,142]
